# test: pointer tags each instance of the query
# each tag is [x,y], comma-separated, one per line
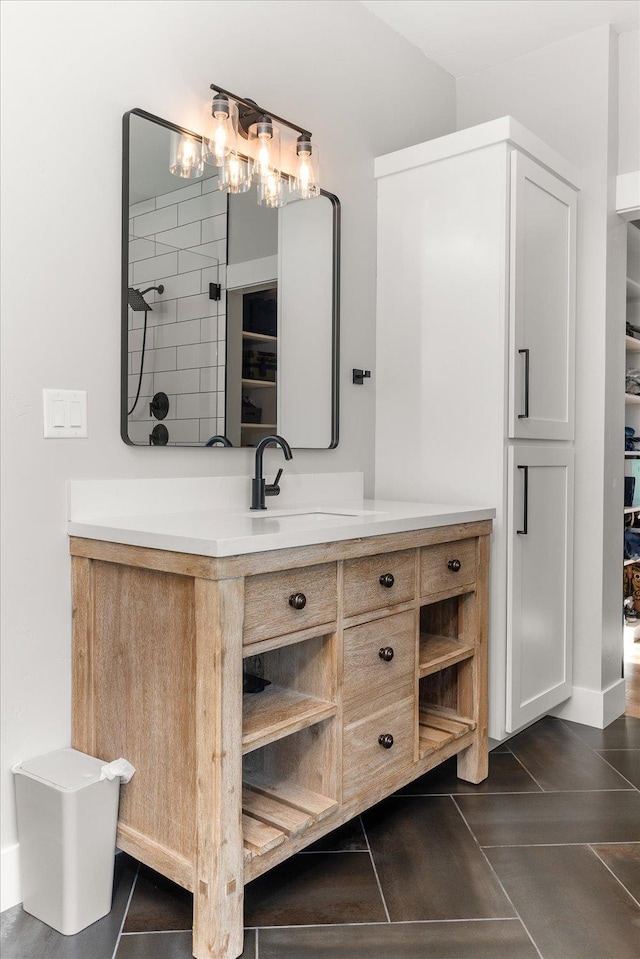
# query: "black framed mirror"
[230,310]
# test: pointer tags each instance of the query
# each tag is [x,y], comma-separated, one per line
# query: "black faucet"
[258,487]
[222,440]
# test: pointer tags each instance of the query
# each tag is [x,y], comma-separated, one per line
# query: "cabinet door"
[539,581]
[542,303]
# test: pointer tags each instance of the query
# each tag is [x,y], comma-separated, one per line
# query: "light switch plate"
[65,413]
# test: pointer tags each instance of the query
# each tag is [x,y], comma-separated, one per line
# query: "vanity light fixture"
[281,170]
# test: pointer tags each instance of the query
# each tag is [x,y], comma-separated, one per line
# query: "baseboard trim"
[593,707]
[10,878]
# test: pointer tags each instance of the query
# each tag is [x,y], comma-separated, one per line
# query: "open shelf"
[273,810]
[632,345]
[277,712]
[631,399]
[260,337]
[632,452]
[628,562]
[258,426]
[255,384]
[438,652]
[631,509]
[439,726]
[633,289]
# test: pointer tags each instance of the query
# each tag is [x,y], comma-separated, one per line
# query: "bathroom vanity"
[370,623]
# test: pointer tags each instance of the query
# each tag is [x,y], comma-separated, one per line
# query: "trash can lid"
[66,769]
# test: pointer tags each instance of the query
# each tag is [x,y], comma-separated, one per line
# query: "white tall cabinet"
[475,377]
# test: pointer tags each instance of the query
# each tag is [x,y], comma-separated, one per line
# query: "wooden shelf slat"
[438,652]
[439,726]
[277,712]
[258,838]
[293,795]
[275,813]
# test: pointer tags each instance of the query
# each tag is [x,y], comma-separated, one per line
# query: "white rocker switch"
[65,413]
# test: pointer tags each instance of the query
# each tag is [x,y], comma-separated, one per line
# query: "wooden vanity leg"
[83,729]
[473,762]
[218,881]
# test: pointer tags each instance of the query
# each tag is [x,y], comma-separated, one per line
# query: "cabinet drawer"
[379,660]
[374,582]
[447,565]
[267,607]
[365,760]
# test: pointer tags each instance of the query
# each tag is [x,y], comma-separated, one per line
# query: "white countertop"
[234,530]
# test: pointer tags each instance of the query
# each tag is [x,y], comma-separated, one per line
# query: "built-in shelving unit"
[632,346]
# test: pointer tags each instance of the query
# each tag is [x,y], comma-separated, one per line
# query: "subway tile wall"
[179,240]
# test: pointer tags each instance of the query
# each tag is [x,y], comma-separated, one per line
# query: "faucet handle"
[272,489]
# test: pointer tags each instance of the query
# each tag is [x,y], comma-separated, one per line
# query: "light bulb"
[185,158]
[264,141]
[220,129]
[307,183]
[235,175]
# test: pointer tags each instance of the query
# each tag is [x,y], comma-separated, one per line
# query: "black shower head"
[137,301]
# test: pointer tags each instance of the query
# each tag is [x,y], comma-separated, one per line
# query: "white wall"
[566,93]
[70,70]
[629,102]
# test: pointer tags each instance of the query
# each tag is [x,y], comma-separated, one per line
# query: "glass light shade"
[220,129]
[264,147]
[307,178]
[185,159]
[235,174]
[273,191]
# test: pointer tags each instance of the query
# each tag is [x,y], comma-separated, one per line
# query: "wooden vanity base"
[379,676]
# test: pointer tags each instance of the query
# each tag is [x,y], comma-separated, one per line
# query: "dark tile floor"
[541,861]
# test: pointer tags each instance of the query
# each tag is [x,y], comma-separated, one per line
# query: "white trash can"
[67,819]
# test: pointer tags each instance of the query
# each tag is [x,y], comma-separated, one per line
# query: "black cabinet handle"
[454,565]
[525,415]
[525,519]
[386,740]
[387,580]
[386,653]
[298,600]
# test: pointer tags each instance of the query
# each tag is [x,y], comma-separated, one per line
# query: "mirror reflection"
[230,309]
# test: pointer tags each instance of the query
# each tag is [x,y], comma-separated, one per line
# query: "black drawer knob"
[454,565]
[387,580]
[298,600]
[386,740]
[386,653]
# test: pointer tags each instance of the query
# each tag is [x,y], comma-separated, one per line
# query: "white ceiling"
[465,36]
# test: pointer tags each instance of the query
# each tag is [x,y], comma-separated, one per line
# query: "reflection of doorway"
[632,671]
[252,363]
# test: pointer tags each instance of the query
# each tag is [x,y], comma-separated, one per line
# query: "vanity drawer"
[279,603]
[375,582]
[447,565]
[379,662]
[366,761]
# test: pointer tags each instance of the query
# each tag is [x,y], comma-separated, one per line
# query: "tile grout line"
[517,759]
[498,880]
[346,925]
[617,879]
[561,845]
[126,910]
[611,766]
[375,871]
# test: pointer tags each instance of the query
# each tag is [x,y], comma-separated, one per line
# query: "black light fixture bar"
[250,105]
